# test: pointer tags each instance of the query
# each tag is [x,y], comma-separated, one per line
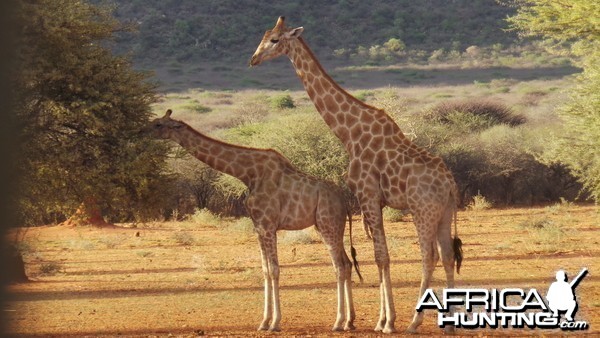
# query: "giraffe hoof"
[337,329]
[411,330]
[349,327]
[449,330]
[262,328]
[388,330]
[275,329]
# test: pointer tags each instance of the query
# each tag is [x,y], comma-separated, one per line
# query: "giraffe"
[385,168]
[280,198]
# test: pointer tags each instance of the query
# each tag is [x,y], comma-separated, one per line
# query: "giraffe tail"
[352,250]
[456,242]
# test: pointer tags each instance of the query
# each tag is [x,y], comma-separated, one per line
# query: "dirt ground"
[188,279]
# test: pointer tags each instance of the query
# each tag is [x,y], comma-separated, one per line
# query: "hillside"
[189,30]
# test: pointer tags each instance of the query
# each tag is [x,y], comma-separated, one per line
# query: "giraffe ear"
[294,33]
[168,113]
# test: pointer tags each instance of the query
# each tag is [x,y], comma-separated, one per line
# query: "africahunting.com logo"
[510,307]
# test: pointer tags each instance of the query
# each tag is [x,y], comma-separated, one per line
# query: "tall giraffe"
[385,168]
[280,198]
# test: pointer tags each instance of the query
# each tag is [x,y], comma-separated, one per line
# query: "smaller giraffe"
[280,198]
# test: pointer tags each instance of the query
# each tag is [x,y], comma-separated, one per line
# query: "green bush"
[205,217]
[479,203]
[303,138]
[392,215]
[282,101]
[198,108]
[478,114]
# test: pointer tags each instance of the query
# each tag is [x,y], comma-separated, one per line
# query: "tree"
[81,110]
[574,25]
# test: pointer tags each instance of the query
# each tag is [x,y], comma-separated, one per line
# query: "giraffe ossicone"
[280,197]
[385,168]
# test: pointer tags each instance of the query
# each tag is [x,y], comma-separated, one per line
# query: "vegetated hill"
[189,30]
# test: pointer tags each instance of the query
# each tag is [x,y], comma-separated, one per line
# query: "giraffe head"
[274,42]
[163,127]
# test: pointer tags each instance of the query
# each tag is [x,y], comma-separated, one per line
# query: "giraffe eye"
[274,40]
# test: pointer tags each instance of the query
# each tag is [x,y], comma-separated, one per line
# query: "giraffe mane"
[333,82]
[282,158]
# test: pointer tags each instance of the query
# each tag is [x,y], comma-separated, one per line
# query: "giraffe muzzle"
[254,61]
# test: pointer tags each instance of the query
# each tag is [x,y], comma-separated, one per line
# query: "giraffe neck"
[227,158]
[348,117]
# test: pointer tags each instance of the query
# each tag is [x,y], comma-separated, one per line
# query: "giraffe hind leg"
[334,240]
[267,315]
[350,313]
[447,248]
[429,256]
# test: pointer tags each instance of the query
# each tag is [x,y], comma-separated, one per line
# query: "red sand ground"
[187,279]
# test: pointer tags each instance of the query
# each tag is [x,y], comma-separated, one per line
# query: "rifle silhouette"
[578,279]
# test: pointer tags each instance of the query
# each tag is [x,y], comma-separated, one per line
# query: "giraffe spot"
[345,106]
[418,170]
[380,160]
[317,86]
[354,110]
[388,128]
[357,148]
[354,167]
[310,90]
[314,68]
[351,120]
[329,119]
[216,150]
[341,119]
[377,143]
[402,185]
[342,133]
[330,104]
[385,181]
[376,129]
[426,179]
[368,118]
[356,131]
[388,143]
[325,84]
[319,104]
[299,64]
[368,155]
[404,172]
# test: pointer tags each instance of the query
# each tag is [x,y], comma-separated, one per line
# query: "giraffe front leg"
[429,256]
[350,313]
[387,314]
[381,321]
[341,316]
[271,246]
[268,291]
[332,234]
